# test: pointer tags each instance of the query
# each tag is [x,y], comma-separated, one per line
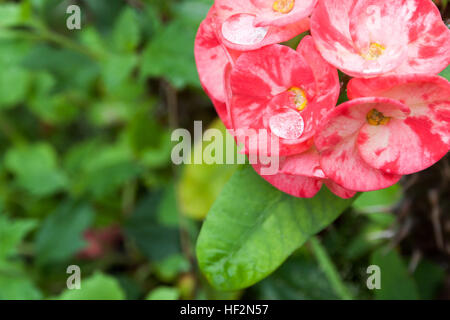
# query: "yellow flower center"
[374,52]
[300,99]
[376,118]
[283,6]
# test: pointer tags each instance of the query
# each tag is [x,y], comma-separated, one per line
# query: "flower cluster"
[397,119]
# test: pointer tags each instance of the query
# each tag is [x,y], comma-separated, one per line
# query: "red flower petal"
[212,59]
[338,190]
[327,81]
[304,164]
[297,186]
[260,81]
[261,98]
[428,40]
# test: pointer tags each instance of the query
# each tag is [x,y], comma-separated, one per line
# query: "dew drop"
[287,125]
[239,29]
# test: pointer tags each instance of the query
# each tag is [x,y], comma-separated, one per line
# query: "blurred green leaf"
[396,282]
[17,287]
[174,59]
[13,14]
[60,236]
[116,69]
[329,269]
[164,293]
[100,170]
[14,86]
[80,73]
[201,184]
[252,228]
[378,201]
[97,287]
[12,233]
[154,240]
[14,282]
[36,169]
[299,278]
[429,278]
[126,32]
[168,269]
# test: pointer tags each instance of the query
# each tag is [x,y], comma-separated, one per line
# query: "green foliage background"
[86,177]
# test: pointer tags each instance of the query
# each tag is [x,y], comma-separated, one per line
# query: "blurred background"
[86,177]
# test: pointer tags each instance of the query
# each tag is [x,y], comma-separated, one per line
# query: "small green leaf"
[14,86]
[126,34]
[11,234]
[17,287]
[446,73]
[252,228]
[14,282]
[98,287]
[378,201]
[168,269]
[299,278]
[329,269]
[396,283]
[61,233]
[116,69]
[164,293]
[172,59]
[36,169]
[155,241]
[13,14]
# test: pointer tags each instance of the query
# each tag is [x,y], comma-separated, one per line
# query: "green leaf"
[446,73]
[164,293]
[154,240]
[60,236]
[252,229]
[97,287]
[396,282]
[126,32]
[12,233]
[14,86]
[172,59]
[36,169]
[100,170]
[14,282]
[300,278]
[13,14]
[116,69]
[17,287]
[429,277]
[201,184]
[378,201]
[168,269]
[329,269]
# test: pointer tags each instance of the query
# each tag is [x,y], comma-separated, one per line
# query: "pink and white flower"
[368,38]
[252,24]
[285,92]
[393,126]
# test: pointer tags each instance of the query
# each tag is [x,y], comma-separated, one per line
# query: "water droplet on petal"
[239,29]
[287,125]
